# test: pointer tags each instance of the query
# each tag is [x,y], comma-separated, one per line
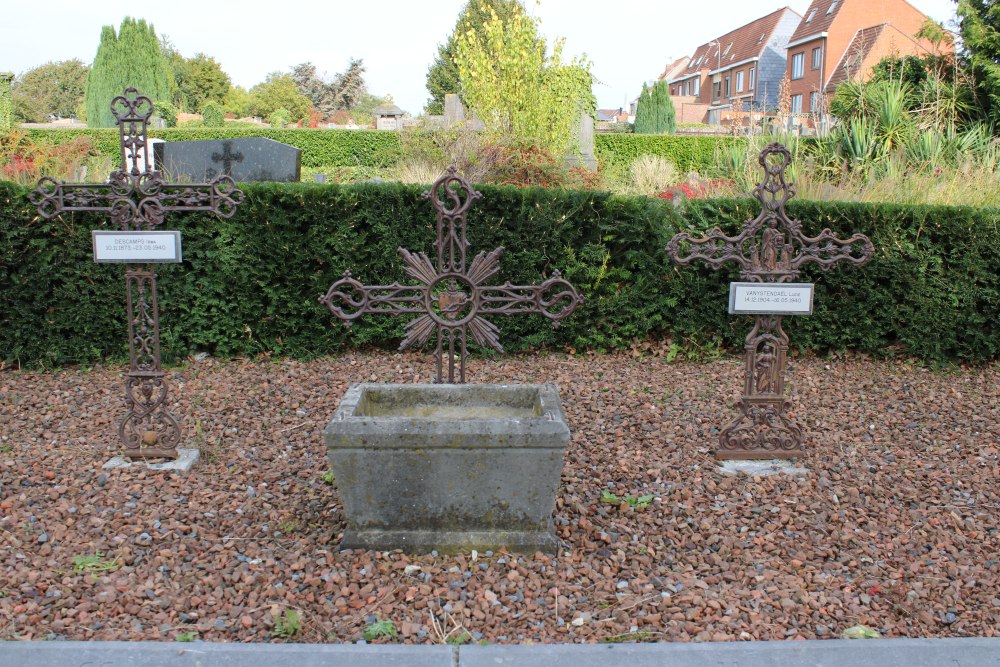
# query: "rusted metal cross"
[451,298]
[771,248]
[137,199]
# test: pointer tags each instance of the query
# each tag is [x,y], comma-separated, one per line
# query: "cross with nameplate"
[451,298]
[770,252]
[138,199]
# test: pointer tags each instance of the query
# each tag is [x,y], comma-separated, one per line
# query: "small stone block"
[761,467]
[183,463]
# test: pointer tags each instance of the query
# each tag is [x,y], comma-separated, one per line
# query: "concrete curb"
[970,652]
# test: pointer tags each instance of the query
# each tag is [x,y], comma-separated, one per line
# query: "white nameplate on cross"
[771,298]
[137,247]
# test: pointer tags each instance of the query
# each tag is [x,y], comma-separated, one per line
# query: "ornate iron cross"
[771,248]
[138,199]
[451,298]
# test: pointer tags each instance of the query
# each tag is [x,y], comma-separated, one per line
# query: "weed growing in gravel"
[460,638]
[288,526]
[640,502]
[380,628]
[93,563]
[628,637]
[287,625]
[329,478]
[186,636]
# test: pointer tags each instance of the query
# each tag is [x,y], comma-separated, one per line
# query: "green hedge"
[617,151]
[370,148]
[320,148]
[250,284]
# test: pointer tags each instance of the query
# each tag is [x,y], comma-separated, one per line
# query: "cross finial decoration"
[771,248]
[137,198]
[452,297]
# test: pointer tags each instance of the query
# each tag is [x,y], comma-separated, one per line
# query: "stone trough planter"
[448,467]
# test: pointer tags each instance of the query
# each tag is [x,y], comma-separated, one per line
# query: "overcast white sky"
[628,41]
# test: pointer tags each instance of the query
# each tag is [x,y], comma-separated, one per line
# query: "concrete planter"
[448,467]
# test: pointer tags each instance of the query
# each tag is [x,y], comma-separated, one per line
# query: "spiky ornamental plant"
[130,58]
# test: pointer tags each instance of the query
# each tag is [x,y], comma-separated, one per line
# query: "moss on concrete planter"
[448,467]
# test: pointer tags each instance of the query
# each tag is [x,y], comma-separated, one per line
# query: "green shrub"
[615,152]
[167,112]
[213,115]
[279,118]
[249,284]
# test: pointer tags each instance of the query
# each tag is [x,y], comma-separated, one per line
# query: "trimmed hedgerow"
[370,148]
[249,284]
[320,148]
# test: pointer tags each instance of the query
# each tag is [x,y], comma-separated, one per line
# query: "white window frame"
[753,77]
[697,87]
[795,104]
[798,65]
[814,101]
[739,82]
[817,57]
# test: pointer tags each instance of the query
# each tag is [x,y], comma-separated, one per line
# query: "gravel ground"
[896,526]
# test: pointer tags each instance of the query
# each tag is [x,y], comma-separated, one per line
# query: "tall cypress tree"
[664,106]
[645,116]
[130,58]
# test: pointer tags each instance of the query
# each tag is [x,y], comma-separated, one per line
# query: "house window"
[799,65]
[739,82]
[697,87]
[796,104]
[833,5]
[753,75]
[817,57]
[814,101]
[716,90]
[811,15]
[727,86]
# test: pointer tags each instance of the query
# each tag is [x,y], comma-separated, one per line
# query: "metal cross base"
[136,200]
[771,248]
[451,297]
[762,431]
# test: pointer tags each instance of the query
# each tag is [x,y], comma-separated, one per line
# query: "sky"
[628,41]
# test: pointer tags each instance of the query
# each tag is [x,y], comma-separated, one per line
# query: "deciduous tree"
[518,90]
[52,89]
[278,91]
[442,76]
[979,22]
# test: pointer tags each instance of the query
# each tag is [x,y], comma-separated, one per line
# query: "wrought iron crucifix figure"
[771,249]
[137,199]
[452,297]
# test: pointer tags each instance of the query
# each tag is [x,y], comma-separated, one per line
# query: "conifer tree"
[645,116]
[129,59]
[664,106]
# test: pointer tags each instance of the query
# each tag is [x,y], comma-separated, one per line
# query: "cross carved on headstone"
[771,248]
[227,157]
[139,199]
[451,298]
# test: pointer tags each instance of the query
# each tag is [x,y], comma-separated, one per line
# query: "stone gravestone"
[585,138]
[243,160]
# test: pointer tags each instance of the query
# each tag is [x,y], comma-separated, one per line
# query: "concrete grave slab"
[183,463]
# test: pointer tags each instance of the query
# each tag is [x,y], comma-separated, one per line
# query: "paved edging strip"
[969,652]
[972,652]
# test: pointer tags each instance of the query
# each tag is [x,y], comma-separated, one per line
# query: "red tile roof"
[854,56]
[819,17]
[744,43]
[674,68]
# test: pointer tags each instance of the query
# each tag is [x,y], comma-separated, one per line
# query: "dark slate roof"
[819,17]
[388,110]
[744,43]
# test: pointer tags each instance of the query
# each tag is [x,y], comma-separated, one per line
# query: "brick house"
[843,39]
[738,71]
